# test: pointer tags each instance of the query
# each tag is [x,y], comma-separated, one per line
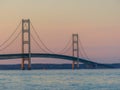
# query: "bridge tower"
[75,49]
[26,43]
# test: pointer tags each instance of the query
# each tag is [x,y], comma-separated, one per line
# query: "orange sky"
[96,21]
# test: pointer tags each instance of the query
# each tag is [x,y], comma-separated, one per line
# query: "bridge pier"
[29,64]
[73,65]
[22,65]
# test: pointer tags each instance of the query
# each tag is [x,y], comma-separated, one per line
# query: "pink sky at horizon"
[96,21]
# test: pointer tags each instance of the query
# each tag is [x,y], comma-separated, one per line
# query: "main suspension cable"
[67,49]
[83,49]
[37,43]
[10,35]
[11,42]
[67,44]
[41,40]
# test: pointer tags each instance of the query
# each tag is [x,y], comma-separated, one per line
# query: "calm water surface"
[60,80]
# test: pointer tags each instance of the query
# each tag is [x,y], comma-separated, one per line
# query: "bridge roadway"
[47,55]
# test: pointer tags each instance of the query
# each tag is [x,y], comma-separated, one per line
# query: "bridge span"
[57,56]
[74,45]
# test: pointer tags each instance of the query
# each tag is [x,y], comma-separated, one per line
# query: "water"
[60,80]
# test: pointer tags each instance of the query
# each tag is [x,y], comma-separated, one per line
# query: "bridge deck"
[46,55]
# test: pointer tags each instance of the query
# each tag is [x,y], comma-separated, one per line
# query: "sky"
[96,21]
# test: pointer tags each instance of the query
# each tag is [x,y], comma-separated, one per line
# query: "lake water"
[60,79]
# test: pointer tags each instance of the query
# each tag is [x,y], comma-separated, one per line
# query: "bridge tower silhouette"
[26,43]
[75,49]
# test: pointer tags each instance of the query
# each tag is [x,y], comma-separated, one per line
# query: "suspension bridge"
[74,44]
